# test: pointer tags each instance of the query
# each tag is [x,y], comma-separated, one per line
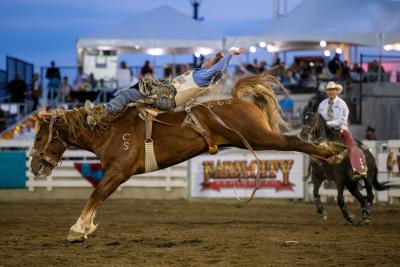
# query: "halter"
[41,153]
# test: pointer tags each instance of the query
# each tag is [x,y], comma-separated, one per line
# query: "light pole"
[196,4]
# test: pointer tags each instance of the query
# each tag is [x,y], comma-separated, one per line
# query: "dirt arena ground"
[197,233]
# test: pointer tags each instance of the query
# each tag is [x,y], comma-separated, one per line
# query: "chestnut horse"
[258,123]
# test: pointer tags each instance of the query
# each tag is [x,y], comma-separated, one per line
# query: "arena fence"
[228,174]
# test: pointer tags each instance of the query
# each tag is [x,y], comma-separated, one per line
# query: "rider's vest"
[186,88]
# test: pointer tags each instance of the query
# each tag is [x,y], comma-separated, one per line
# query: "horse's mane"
[331,134]
[73,120]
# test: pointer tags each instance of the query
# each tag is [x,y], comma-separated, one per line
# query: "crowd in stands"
[309,71]
[305,72]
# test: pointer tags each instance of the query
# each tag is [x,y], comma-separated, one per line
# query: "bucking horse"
[120,144]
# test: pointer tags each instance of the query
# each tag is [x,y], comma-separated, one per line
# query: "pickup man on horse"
[335,111]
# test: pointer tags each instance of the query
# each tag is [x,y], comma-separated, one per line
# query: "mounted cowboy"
[165,95]
[335,111]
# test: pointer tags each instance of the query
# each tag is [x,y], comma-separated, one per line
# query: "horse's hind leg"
[340,199]
[365,207]
[84,225]
[370,193]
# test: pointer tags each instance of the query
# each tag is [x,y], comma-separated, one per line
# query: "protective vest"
[186,88]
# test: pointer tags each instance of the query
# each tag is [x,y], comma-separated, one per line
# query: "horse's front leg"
[317,181]
[340,199]
[84,225]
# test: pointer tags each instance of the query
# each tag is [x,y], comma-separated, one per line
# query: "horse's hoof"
[350,218]
[322,215]
[365,221]
[75,236]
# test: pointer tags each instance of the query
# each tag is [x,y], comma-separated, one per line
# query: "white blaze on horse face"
[126,137]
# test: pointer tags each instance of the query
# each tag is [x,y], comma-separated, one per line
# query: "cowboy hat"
[333,85]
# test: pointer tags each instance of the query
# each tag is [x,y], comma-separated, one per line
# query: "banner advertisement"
[232,174]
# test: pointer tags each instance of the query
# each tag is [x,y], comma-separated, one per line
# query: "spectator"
[277,62]
[17,88]
[146,69]
[85,86]
[3,120]
[287,105]
[54,78]
[262,67]
[36,90]
[374,70]
[335,64]
[80,76]
[370,133]
[124,76]
[102,89]
[64,91]
[92,80]
[345,71]
[53,72]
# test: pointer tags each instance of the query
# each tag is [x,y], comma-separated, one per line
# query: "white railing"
[66,175]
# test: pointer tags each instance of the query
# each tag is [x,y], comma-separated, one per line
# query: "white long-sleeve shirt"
[340,113]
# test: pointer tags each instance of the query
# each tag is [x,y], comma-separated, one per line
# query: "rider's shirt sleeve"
[204,76]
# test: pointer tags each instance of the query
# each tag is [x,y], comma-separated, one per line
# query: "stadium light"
[262,44]
[252,49]
[155,51]
[271,48]
[322,43]
[392,47]
[327,53]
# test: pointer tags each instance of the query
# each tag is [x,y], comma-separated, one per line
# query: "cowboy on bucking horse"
[165,95]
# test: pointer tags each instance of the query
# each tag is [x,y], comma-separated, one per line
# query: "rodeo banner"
[281,175]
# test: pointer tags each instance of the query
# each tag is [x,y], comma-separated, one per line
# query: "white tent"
[355,22]
[162,30]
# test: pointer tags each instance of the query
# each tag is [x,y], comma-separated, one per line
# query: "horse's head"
[311,129]
[48,146]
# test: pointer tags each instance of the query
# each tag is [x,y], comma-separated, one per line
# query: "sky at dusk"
[39,31]
[42,30]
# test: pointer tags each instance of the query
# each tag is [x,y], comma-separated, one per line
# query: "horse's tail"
[384,185]
[260,87]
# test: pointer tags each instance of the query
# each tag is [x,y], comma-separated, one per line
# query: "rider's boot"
[95,113]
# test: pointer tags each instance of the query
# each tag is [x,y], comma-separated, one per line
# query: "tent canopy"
[358,22]
[162,30]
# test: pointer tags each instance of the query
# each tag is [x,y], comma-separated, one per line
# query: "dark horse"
[120,144]
[316,130]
